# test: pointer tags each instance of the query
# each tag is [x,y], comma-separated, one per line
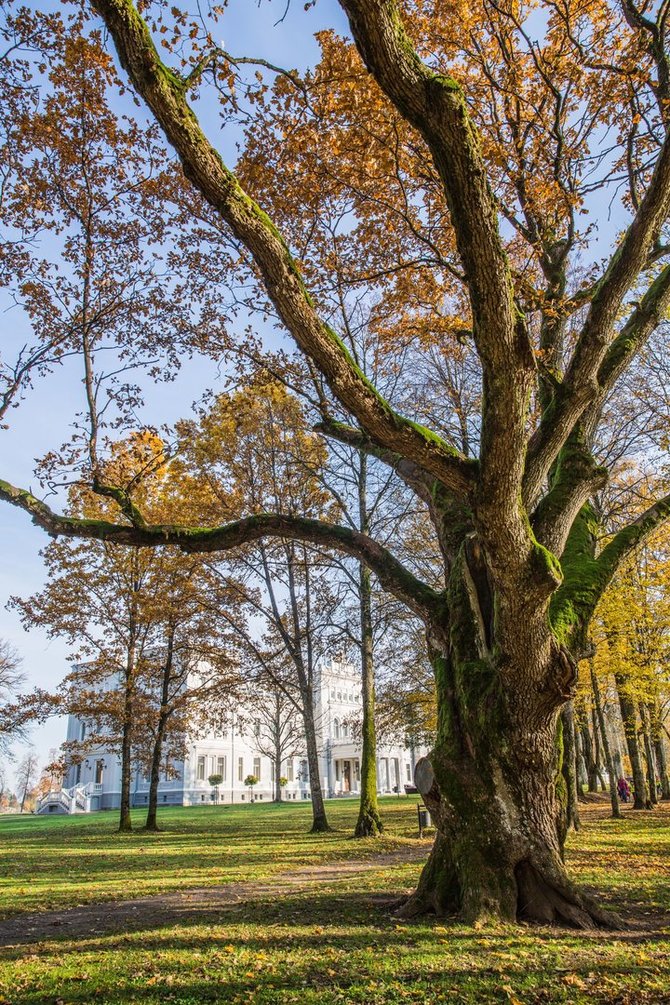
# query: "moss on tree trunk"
[369,822]
[494,788]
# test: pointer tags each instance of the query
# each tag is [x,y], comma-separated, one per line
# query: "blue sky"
[41,422]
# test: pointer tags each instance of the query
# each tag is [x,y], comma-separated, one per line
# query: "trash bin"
[424,818]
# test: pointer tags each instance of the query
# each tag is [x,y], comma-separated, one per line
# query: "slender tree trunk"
[304,664]
[598,758]
[580,770]
[617,757]
[570,766]
[161,726]
[156,756]
[598,705]
[662,761]
[369,822]
[30,767]
[319,818]
[629,719]
[649,753]
[278,750]
[125,823]
[589,758]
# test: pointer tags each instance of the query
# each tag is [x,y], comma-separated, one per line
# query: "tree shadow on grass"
[338,916]
[329,946]
[332,948]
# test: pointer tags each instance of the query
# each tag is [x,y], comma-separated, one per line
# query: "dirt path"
[185,905]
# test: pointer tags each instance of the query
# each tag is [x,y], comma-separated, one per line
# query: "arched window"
[336,729]
[345,729]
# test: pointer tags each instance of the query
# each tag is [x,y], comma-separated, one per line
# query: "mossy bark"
[369,822]
[494,788]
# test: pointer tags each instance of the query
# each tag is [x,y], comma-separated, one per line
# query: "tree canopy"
[438,176]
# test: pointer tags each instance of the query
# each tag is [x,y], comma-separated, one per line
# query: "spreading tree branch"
[435,104]
[164,92]
[580,385]
[392,575]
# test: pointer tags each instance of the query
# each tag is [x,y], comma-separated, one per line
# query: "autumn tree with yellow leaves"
[152,659]
[464,152]
[631,634]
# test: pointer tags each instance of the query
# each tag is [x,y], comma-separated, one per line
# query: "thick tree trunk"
[369,822]
[629,719]
[658,737]
[498,848]
[491,781]
[570,767]
[613,777]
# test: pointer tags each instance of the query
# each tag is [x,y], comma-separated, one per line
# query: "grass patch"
[329,943]
[54,862]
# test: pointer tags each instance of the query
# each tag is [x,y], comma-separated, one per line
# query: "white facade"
[235,755]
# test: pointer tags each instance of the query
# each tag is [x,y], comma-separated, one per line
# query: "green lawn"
[335,942]
[51,862]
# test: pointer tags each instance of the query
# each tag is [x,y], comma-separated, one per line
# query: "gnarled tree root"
[539,901]
[557,902]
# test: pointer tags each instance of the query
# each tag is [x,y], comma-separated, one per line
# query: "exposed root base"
[319,827]
[417,905]
[538,902]
[545,902]
[368,825]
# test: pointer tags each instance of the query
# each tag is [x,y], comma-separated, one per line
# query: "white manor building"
[95,783]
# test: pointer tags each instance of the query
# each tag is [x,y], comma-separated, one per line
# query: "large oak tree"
[510,134]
